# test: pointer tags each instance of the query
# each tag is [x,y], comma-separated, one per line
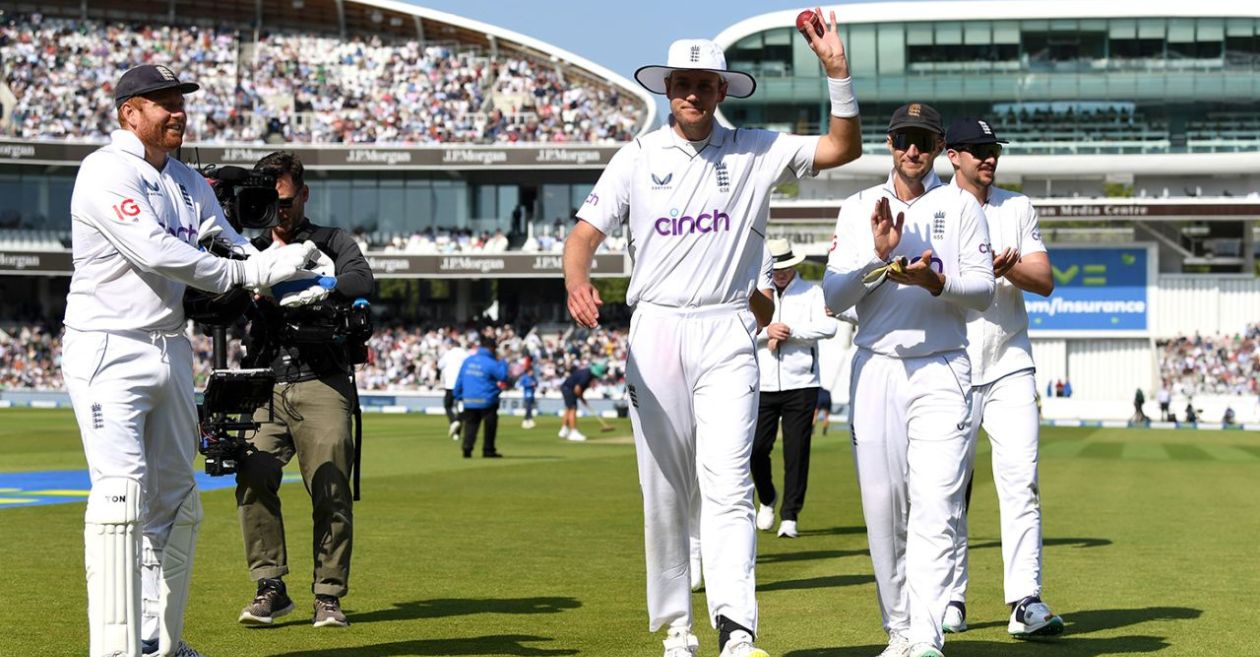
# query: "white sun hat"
[696,55]
[781,253]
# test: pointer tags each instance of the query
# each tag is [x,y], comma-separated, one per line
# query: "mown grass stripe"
[1103,451]
[1180,452]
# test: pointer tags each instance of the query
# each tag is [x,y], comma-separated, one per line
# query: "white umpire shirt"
[795,364]
[998,337]
[134,234]
[906,321]
[696,211]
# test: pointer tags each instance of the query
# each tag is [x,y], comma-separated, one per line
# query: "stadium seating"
[302,88]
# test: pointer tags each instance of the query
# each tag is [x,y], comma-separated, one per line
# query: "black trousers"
[472,418]
[448,404]
[796,409]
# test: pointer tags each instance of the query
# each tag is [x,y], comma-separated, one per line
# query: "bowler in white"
[694,197]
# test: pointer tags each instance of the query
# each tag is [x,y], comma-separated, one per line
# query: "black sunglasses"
[981,151]
[924,141]
[285,203]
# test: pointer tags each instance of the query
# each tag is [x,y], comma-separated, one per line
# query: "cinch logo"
[686,224]
[592,199]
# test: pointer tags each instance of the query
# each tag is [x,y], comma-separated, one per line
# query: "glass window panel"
[1211,29]
[920,34]
[1239,28]
[1006,32]
[449,210]
[949,33]
[1063,26]
[1151,28]
[419,212]
[365,199]
[1123,28]
[977,34]
[1093,25]
[339,205]
[393,207]
[487,201]
[892,48]
[779,37]
[752,42]
[862,44]
[1181,30]
[556,203]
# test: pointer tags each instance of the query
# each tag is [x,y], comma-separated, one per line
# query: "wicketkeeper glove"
[275,265]
[303,291]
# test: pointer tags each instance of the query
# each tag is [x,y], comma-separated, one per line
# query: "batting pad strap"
[177,558]
[844,102]
[111,551]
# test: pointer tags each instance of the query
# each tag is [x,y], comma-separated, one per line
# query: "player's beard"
[167,136]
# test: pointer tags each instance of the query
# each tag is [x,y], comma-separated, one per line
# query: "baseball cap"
[916,115]
[696,55]
[970,130]
[781,253]
[146,79]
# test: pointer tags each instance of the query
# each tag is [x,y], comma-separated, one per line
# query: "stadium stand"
[302,88]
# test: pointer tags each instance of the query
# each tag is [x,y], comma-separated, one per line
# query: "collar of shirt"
[716,138]
[930,181]
[127,142]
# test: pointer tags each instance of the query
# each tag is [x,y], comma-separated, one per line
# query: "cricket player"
[137,216]
[449,365]
[911,279]
[695,198]
[1003,393]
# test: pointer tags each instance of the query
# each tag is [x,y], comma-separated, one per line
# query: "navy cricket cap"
[970,130]
[146,79]
[916,115]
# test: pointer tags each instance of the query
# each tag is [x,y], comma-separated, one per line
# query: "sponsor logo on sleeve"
[592,199]
[128,211]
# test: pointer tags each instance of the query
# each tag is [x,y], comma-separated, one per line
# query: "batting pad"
[177,558]
[111,541]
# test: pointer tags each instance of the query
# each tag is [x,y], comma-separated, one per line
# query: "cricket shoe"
[454,430]
[955,618]
[564,432]
[741,645]
[898,646]
[527,424]
[328,612]
[270,603]
[681,643]
[787,529]
[924,650]
[182,650]
[1032,618]
[765,517]
[576,436]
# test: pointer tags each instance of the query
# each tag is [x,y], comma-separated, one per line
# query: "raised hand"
[829,48]
[584,303]
[884,229]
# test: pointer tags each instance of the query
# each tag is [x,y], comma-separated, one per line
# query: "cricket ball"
[807,18]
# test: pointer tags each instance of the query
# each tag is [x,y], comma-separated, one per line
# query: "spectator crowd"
[303,88]
[1220,365]
[399,358]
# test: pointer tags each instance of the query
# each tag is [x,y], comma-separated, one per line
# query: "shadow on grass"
[501,644]
[834,531]
[1084,622]
[1052,542]
[1064,647]
[809,555]
[445,607]
[817,583]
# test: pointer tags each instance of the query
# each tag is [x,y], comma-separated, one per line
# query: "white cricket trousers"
[693,385]
[132,393]
[910,421]
[1007,408]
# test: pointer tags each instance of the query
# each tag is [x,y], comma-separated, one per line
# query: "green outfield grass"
[1150,548]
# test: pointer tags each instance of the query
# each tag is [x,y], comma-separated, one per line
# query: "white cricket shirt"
[696,219]
[449,365]
[906,321]
[134,233]
[794,365]
[998,336]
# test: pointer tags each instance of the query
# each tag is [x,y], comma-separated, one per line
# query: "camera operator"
[314,399]
[138,216]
